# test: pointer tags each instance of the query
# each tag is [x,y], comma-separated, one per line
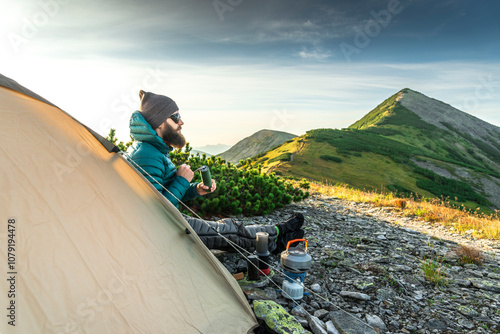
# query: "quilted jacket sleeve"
[181,188]
[161,172]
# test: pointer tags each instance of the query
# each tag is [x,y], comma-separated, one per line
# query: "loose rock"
[367,273]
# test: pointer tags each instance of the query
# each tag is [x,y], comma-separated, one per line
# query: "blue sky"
[238,66]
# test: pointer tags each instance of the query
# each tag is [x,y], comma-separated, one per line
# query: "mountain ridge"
[257,143]
[213,149]
[437,151]
[440,114]
[468,138]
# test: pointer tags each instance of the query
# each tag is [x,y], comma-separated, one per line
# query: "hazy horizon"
[236,67]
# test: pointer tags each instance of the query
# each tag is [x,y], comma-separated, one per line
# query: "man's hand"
[185,171]
[203,189]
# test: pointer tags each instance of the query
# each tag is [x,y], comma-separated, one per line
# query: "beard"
[172,137]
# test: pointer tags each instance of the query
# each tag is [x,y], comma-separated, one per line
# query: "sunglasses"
[176,118]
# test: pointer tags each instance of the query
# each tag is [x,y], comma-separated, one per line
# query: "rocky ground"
[367,274]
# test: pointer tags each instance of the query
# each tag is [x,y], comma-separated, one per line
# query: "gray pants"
[243,236]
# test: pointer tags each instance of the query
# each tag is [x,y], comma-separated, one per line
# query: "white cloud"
[315,54]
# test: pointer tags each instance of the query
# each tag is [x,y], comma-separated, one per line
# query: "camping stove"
[295,263]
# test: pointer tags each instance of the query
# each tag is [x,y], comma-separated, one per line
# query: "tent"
[88,245]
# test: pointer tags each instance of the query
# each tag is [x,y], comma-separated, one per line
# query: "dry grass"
[437,211]
[469,255]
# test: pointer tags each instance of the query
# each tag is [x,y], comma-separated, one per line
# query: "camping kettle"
[295,262]
[295,259]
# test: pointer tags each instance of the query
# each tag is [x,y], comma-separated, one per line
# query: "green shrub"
[281,157]
[330,158]
[304,184]
[445,187]
[249,192]
[352,141]
[384,131]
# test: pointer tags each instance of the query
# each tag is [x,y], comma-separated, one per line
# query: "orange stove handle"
[295,240]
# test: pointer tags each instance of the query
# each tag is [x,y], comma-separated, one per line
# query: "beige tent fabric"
[97,248]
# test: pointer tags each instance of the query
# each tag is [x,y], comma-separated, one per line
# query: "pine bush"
[245,191]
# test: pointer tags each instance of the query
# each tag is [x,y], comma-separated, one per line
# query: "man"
[156,128]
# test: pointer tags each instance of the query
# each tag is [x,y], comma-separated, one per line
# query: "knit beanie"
[156,108]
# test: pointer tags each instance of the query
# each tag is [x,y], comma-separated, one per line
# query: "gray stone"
[382,259]
[436,324]
[317,326]
[463,282]
[402,267]
[314,304]
[257,294]
[485,284]
[384,294]
[494,276]
[299,311]
[321,314]
[395,324]
[368,247]
[466,323]
[418,295]
[476,273]
[347,323]
[302,321]
[376,322]
[316,288]
[468,311]
[330,328]
[364,285]
[355,295]
[338,255]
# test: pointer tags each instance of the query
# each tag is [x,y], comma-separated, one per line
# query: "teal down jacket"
[151,153]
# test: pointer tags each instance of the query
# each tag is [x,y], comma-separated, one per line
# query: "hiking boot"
[293,223]
[283,240]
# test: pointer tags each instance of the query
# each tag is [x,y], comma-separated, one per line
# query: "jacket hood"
[141,131]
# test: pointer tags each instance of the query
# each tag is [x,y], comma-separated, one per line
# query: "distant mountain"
[195,151]
[411,144]
[213,149]
[260,142]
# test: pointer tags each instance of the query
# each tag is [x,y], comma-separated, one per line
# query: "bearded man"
[156,128]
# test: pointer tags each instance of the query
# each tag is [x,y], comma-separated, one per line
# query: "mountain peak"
[444,115]
[259,142]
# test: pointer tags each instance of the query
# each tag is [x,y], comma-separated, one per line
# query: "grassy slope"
[367,171]
[376,152]
[391,119]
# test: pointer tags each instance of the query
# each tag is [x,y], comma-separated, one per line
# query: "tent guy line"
[241,250]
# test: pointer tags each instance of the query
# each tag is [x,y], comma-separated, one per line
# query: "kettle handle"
[295,240]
